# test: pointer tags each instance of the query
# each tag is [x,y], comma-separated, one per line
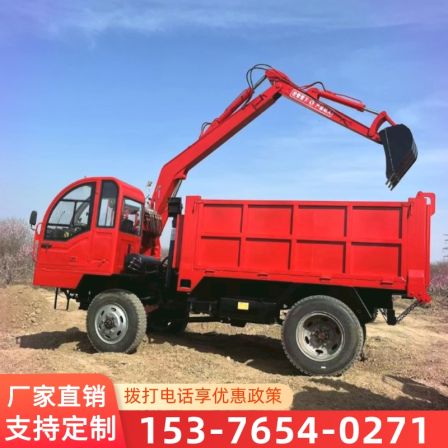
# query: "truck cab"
[88,229]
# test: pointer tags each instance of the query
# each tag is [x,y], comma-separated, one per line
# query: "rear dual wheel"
[322,336]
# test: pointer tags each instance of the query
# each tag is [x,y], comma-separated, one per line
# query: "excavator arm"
[397,140]
[309,97]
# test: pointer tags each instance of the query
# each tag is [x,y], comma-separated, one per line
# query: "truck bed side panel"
[358,244]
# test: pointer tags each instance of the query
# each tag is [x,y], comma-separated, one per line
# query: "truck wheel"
[161,322]
[322,336]
[116,321]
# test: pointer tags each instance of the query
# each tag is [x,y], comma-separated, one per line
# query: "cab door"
[63,248]
[129,237]
[117,230]
[104,238]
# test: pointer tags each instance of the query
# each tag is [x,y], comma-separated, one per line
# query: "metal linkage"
[68,295]
[389,314]
[55,303]
[413,305]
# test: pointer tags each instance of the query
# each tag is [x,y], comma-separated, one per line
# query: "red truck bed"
[357,244]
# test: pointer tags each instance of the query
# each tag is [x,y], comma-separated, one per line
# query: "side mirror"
[33,219]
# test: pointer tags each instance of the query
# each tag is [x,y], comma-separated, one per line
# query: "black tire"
[160,321]
[116,321]
[322,336]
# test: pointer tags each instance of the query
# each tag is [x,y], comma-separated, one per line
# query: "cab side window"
[71,215]
[108,204]
[131,217]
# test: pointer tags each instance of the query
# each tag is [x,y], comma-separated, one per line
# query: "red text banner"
[298,429]
[69,410]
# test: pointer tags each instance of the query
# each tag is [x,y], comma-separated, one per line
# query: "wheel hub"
[111,323]
[320,336]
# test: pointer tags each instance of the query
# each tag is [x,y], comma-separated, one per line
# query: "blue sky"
[119,87]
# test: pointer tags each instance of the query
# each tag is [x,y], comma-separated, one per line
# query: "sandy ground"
[403,367]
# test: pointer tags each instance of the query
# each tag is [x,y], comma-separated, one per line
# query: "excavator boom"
[397,140]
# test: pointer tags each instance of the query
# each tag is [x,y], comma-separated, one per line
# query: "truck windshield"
[71,215]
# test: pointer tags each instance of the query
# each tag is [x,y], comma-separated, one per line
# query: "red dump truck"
[319,269]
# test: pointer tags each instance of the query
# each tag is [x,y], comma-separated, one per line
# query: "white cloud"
[56,17]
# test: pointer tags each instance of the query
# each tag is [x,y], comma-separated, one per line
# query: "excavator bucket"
[400,150]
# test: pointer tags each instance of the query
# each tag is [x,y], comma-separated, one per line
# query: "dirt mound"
[404,367]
